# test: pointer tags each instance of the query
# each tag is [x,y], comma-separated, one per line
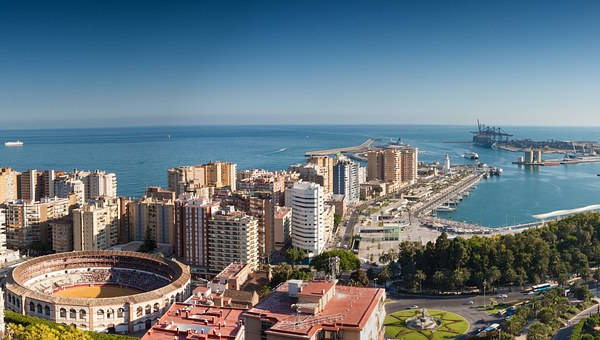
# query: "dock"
[365,146]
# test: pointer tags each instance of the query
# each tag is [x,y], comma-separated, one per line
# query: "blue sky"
[114,63]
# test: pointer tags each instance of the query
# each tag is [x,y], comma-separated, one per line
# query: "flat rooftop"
[188,321]
[350,308]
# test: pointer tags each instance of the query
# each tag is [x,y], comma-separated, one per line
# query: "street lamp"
[484,284]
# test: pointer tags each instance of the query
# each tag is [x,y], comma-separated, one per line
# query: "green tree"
[348,261]
[384,275]
[337,219]
[359,278]
[539,331]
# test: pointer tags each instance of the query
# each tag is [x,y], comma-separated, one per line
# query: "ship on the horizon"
[488,136]
[13,143]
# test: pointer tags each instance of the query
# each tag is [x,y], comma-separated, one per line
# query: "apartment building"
[308,217]
[232,237]
[96,224]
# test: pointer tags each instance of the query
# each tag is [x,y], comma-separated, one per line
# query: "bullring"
[141,286]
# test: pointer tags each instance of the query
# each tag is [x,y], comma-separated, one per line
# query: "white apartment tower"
[308,223]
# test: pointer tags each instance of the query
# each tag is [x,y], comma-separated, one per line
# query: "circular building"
[102,291]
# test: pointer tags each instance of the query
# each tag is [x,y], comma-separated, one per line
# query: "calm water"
[141,156]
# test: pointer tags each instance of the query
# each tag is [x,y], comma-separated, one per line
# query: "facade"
[392,166]
[282,227]
[153,218]
[318,310]
[346,180]
[326,164]
[162,282]
[96,225]
[191,229]
[2,230]
[9,187]
[308,217]
[193,178]
[66,185]
[232,237]
[27,221]
[374,165]
[97,183]
[62,234]
[35,185]
[410,161]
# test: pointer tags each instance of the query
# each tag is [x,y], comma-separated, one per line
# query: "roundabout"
[417,324]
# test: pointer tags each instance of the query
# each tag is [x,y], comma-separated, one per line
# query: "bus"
[542,287]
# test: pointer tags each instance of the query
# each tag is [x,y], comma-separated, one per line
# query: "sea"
[140,156]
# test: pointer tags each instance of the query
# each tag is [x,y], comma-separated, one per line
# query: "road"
[459,305]
[565,332]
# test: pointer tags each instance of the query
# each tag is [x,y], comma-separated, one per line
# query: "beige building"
[393,166]
[410,161]
[153,217]
[96,225]
[282,227]
[62,234]
[192,178]
[326,163]
[375,165]
[232,237]
[27,221]
[8,185]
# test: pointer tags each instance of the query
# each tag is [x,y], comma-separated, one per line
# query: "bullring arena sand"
[96,291]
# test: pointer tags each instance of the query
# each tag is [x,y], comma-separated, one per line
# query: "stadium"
[103,291]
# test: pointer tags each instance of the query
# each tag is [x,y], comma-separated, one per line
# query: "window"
[32,307]
[110,313]
[156,308]
[148,310]
[139,311]
[82,313]
[72,313]
[47,310]
[100,313]
[39,308]
[120,312]
[63,313]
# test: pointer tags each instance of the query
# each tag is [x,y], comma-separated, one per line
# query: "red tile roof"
[349,308]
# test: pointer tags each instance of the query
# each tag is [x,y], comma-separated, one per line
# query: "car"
[504,296]
[470,302]
[414,307]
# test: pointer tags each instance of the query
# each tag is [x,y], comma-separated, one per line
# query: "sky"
[133,63]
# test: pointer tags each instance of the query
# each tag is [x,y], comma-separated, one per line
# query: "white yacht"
[13,143]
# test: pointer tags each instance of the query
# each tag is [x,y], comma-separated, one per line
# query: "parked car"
[470,302]
[414,307]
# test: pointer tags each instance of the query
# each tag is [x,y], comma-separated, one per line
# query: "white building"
[97,183]
[308,220]
[447,163]
[65,186]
